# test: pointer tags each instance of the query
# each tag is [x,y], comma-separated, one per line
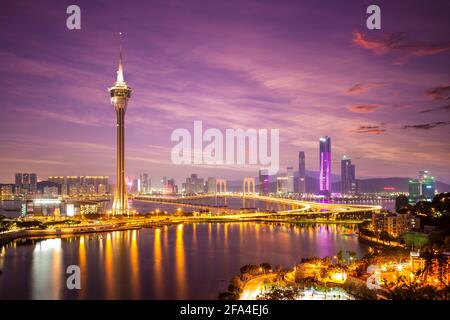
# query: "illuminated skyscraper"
[282,185]
[325,165]
[25,183]
[348,179]
[264,182]
[301,172]
[145,183]
[211,185]
[290,179]
[422,188]
[120,94]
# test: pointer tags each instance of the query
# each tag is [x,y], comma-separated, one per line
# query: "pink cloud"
[438,93]
[376,130]
[399,43]
[361,88]
[367,108]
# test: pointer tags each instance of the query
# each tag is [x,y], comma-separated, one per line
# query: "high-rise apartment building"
[301,172]
[325,165]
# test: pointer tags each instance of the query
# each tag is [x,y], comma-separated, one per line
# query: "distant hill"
[395,184]
[398,184]
[42,184]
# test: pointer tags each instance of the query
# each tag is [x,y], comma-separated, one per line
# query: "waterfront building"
[301,172]
[264,182]
[290,179]
[423,188]
[394,224]
[170,187]
[325,165]
[348,179]
[50,192]
[194,184]
[211,185]
[144,183]
[25,183]
[81,185]
[282,185]
[6,190]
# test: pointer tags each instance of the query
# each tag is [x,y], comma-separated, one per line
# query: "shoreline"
[92,229]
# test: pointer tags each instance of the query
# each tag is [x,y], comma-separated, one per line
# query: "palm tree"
[428,266]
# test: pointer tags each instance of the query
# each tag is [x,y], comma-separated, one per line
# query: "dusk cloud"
[361,88]
[215,63]
[364,108]
[446,108]
[438,93]
[427,126]
[399,43]
[376,130]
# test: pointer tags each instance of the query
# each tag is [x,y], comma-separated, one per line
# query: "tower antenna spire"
[120,70]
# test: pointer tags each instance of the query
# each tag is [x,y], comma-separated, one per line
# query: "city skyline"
[393,91]
[274,150]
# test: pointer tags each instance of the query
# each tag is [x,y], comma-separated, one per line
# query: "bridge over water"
[218,203]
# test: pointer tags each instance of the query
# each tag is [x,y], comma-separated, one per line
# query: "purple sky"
[309,68]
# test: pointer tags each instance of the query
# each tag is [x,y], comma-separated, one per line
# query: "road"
[254,287]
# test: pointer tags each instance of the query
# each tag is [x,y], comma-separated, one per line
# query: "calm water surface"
[186,261]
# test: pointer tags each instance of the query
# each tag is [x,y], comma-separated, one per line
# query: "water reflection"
[109,268]
[180,269]
[192,261]
[157,257]
[83,268]
[134,257]
[46,270]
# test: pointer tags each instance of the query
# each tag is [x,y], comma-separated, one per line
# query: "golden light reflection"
[57,271]
[210,235]
[83,269]
[109,271]
[47,269]
[180,270]
[241,234]
[217,237]
[257,232]
[157,257]
[134,255]
[194,235]
[225,235]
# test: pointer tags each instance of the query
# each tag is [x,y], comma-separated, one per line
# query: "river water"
[185,261]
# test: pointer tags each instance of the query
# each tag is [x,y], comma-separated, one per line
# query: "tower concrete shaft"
[120,94]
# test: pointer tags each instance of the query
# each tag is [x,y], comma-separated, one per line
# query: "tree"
[280,293]
[235,283]
[265,266]
[340,257]
[352,255]
[228,296]
[248,268]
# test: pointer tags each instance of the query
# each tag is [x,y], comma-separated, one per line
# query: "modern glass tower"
[348,179]
[290,179]
[301,172]
[264,182]
[120,94]
[325,165]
